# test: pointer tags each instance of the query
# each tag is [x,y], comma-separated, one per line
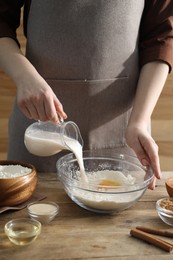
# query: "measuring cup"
[48,138]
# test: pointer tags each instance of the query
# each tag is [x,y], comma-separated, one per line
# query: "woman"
[101,63]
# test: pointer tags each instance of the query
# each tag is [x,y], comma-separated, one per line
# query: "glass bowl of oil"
[22,231]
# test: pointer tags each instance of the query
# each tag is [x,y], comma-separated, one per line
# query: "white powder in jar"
[13,171]
[42,209]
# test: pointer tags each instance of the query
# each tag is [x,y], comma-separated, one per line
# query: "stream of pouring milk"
[48,143]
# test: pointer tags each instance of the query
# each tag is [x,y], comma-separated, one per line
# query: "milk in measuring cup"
[47,143]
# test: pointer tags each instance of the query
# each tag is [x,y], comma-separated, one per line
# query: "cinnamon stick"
[163,233]
[151,239]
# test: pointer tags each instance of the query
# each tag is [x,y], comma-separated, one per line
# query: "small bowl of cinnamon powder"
[164,209]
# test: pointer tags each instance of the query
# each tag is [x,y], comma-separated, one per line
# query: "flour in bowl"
[12,171]
[102,198]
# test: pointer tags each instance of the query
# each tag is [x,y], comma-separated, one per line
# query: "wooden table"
[79,234]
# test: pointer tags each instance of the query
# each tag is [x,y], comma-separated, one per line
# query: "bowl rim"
[163,210]
[167,181]
[24,220]
[169,178]
[18,162]
[112,189]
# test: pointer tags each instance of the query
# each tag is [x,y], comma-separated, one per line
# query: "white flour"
[106,200]
[13,171]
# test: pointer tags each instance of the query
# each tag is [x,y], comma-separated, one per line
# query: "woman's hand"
[36,99]
[140,140]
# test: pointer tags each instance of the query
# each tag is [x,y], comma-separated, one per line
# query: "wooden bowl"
[16,190]
[169,186]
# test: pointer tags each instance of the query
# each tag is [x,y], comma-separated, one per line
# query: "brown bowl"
[16,190]
[169,186]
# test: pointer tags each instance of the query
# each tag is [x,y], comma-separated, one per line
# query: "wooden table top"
[79,234]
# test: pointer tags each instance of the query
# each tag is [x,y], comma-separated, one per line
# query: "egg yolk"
[109,183]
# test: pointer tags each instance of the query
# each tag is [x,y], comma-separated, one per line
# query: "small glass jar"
[44,211]
[164,209]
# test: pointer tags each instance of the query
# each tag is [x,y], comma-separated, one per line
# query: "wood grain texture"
[162,119]
[76,233]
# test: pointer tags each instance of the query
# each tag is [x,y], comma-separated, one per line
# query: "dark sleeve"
[156,32]
[10,17]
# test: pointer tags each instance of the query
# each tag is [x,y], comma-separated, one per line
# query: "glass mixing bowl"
[115,181]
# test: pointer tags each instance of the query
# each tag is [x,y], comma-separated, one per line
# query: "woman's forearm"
[35,97]
[151,82]
[12,60]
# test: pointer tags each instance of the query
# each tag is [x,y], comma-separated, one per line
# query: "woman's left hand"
[140,140]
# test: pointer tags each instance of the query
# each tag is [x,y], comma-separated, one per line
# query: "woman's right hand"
[36,99]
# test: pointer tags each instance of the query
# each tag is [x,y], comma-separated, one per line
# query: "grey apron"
[87,51]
